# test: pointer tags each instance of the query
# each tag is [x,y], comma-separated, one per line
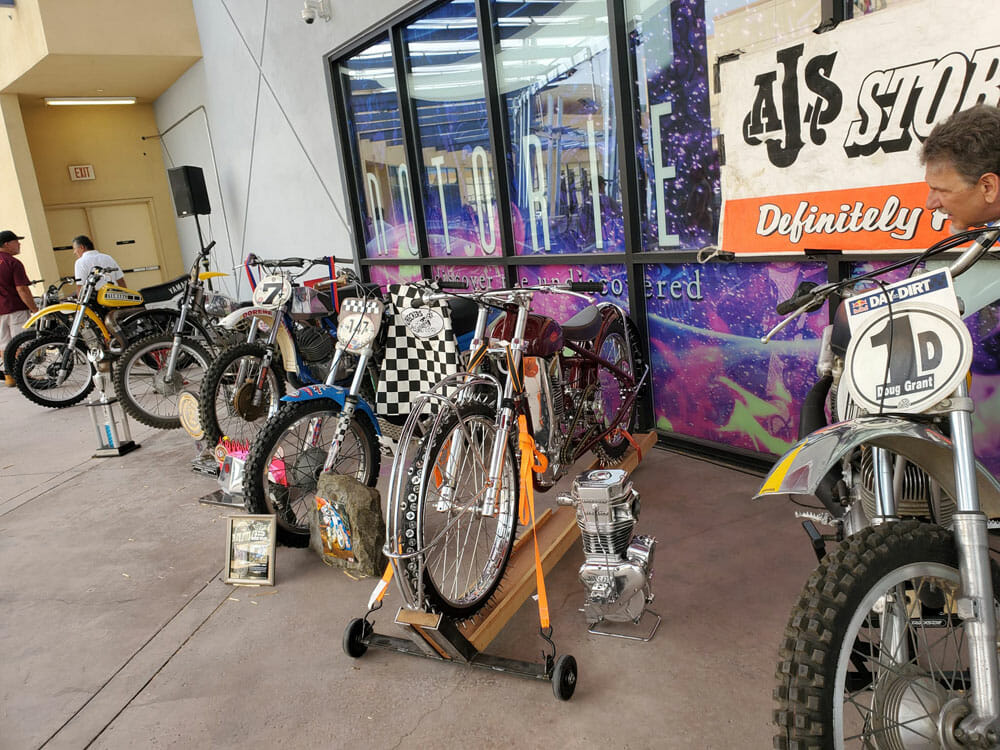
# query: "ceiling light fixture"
[59,101]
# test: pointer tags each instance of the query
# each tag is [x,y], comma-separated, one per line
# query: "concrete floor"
[116,630]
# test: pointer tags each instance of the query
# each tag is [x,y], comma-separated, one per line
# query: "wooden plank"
[630,460]
[557,531]
[554,539]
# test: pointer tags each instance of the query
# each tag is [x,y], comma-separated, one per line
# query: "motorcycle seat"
[463,315]
[352,290]
[165,291]
[583,326]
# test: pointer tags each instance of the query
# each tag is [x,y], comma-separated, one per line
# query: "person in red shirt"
[16,302]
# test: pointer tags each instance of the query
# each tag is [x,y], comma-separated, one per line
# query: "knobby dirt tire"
[293,496]
[31,387]
[459,593]
[192,359]
[826,688]
[212,382]
[613,448]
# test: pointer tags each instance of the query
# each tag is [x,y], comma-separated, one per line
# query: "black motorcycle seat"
[356,290]
[463,314]
[165,291]
[583,326]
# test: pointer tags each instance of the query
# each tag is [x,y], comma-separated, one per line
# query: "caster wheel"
[355,635]
[564,677]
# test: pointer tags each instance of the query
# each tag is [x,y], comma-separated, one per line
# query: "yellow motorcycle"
[54,370]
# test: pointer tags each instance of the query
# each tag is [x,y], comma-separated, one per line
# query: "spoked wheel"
[37,371]
[466,545]
[621,348]
[287,458]
[229,403]
[874,650]
[142,384]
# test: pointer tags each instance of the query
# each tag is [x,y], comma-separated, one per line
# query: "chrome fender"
[801,469]
[334,393]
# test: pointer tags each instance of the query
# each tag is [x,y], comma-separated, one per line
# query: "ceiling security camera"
[314,9]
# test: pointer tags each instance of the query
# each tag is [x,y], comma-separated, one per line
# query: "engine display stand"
[436,636]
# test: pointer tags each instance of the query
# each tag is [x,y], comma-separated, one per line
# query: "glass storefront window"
[562,307]
[713,378]
[445,82]
[475,278]
[554,72]
[386,275]
[380,162]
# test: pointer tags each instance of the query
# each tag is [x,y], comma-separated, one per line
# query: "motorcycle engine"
[315,346]
[618,566]
[915,500]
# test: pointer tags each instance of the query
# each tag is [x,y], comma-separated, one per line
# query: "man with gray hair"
[962,160]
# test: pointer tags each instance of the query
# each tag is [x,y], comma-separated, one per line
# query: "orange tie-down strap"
[532,460]
[628,436]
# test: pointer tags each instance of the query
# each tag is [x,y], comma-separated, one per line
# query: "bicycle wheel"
[621,348]
[465,550]
[36,371]
[874,648]
[226,400]
[141,383]
[287,458]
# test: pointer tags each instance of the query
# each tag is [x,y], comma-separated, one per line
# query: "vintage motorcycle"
[452,505]
[53,369]
[241,389]
[48,324]
[153,371]
[330,427]
[893,641]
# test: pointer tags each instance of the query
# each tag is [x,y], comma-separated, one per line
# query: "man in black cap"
[16,302]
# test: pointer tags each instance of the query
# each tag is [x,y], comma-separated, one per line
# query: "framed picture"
[250,550]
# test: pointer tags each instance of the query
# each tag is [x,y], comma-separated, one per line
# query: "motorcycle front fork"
[348,409]
[175,347]
[976,605]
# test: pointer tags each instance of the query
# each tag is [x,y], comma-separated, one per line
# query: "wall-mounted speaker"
[188,186]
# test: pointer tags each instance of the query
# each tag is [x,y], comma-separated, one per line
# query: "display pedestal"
[114,438]
[438,637]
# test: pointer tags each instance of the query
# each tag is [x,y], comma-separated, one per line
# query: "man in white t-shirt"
[87,258]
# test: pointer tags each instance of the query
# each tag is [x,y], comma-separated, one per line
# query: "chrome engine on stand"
[618,566]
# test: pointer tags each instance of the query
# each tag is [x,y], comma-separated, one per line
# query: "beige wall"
[20,202]
[48,43]
[125,166]
[21,38]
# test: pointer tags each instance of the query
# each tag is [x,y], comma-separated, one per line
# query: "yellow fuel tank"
[110,295]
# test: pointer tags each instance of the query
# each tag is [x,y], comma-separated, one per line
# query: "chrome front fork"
[175,347]
[976,607]
[350,404]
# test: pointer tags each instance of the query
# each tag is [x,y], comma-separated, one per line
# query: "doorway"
[124,230]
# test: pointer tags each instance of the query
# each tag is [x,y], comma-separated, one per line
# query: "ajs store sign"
[822,137]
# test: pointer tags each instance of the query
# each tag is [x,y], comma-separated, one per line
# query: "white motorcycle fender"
[801,469]
[285,344]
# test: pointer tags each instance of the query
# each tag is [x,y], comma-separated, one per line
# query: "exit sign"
[82,172]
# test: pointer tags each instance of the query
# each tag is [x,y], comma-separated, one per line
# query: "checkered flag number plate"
[418,356]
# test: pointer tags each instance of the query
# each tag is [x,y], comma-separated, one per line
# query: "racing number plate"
[272,291]
[908,361]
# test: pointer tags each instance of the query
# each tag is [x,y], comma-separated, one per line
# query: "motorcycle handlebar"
[446,284]
[586,286]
